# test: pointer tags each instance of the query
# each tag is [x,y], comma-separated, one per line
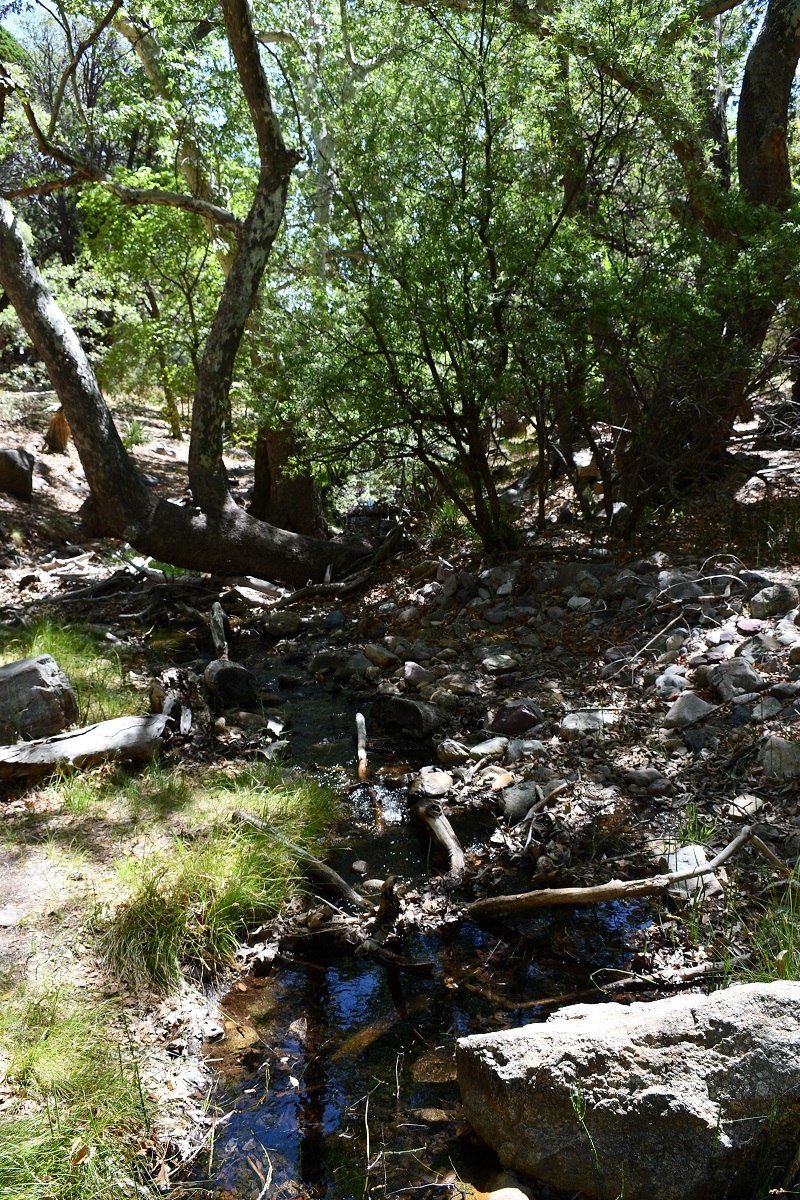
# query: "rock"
[745,806]
[779,758]
[451,753]
[230,682]
[282,623]
[674,585]
[517,800]
[670,682]
[431,784]
[443,697]
[579,603]
[517,717]
[335,619]
[16,473]
[765,709]
[36,700]
[589,723]
[379,656]
[413,717]
[499,664]
[749,625]
[730,678]
[355,667]
[493,748]
[687,709]
[416,675]
[774,601]
[686,1098]
[688,858]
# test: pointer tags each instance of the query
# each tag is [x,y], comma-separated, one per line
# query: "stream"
[336,1076]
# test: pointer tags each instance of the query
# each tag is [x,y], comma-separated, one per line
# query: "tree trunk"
[223,541]
[764,174]
[289,501]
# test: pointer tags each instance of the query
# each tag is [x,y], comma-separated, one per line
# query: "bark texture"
[763,155]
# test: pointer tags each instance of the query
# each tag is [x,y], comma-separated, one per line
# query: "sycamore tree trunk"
[220,537]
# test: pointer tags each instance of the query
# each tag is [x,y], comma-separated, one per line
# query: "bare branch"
[72,65]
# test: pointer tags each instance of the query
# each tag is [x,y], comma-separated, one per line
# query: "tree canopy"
[395,230]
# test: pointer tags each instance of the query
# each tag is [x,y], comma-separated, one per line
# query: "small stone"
[744,806]
[10,915]
[417,675]
[359,867]
[499,664]
[493,748]
[451,753]
[688,858]
[671,682]
[518,716]
[357,665]
[335,619]
[730,678]
[765,709]
[687,709]
[589,723]
[579,603]
[517,800]
[379,656]
[432,784]
[749,626]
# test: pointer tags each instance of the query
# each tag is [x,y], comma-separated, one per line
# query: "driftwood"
[615,889]
[126,738]
[312,864]
[430,812]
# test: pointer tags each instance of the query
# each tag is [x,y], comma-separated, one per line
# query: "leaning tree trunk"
[224,540]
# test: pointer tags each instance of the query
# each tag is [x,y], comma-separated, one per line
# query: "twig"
[615,889]
[315,865]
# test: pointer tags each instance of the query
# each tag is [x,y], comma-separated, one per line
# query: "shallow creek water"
[336,1077]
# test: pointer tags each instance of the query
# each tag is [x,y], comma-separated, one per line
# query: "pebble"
[745,805]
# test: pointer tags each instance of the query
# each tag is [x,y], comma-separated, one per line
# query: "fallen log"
[314,865]
[430,812]
[134,739]
[615,889]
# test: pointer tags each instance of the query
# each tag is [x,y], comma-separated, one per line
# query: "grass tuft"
[90,664]
[75,1121]
[189,907]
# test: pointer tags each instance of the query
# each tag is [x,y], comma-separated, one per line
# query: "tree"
[220,537]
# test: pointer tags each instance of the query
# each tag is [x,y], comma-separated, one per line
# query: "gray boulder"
[779,758]
[689,1098]
[687,709]
[36,700]
[729,679]
[775,600]
[16,473]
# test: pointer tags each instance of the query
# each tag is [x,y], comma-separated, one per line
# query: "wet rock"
[517,716]
[687,709]
[592,722]
[779,758]
[775,600]
[450,753]
[36,699]
[326,661]
[282,623]
[729,679]
[16,473]
[359,867]
[431,784]
[414,717]
[683,1099]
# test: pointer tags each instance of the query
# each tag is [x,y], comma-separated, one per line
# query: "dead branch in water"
[430,811]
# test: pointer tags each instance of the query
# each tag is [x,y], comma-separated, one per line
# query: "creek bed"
[336,1077]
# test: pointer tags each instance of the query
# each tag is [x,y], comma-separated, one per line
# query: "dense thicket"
[495,215]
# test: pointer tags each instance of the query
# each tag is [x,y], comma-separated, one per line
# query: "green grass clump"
[91,665]
[78,1121]
[775,941]
[189,908]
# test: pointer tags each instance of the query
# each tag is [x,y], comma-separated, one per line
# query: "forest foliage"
[500,218]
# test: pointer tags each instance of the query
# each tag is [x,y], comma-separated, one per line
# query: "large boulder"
[36,700]
[690,1098]
[16,473]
